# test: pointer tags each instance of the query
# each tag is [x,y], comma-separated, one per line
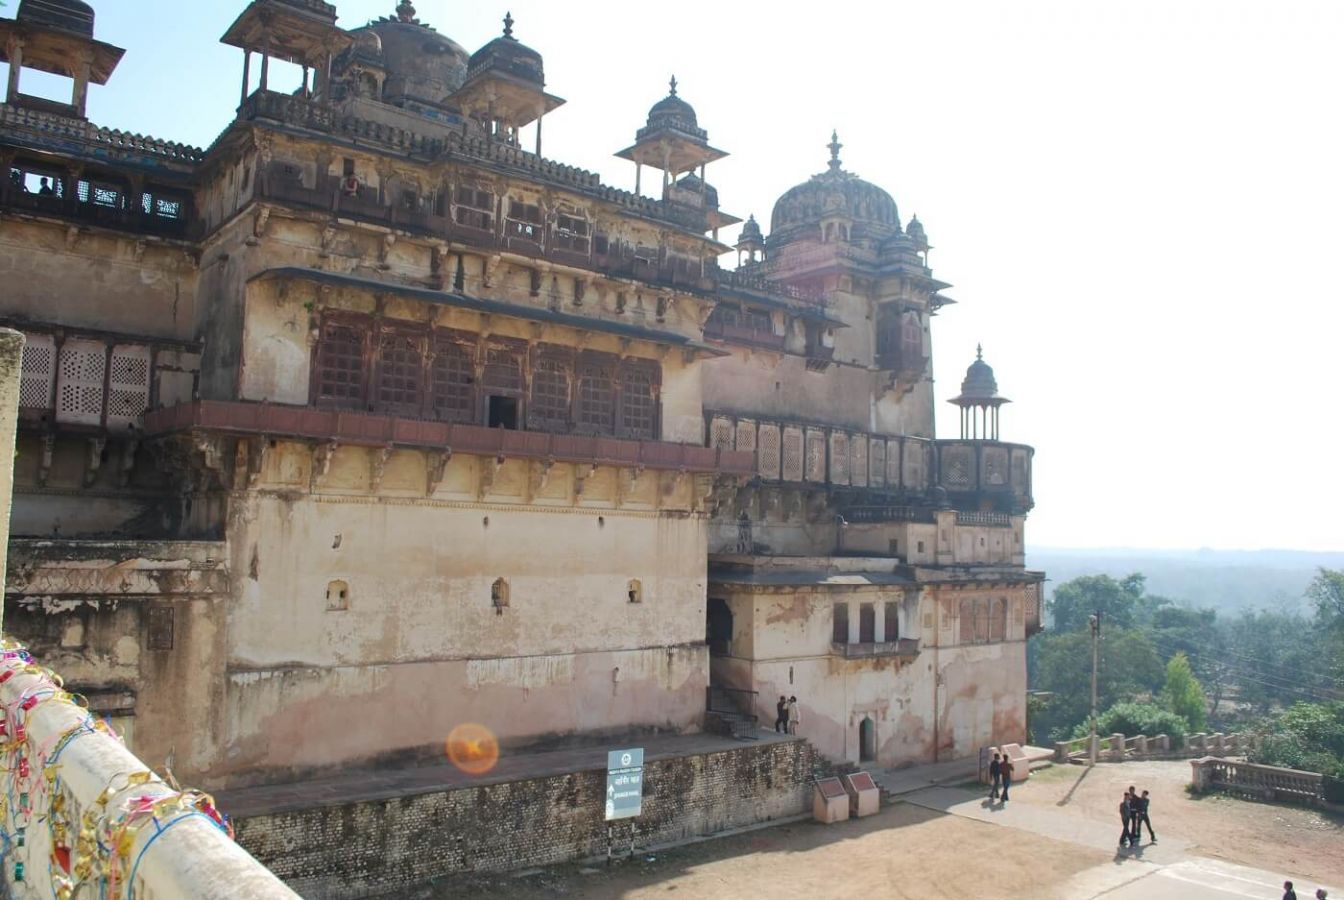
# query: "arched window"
[981,621]
[998,619]
[634,591]
[338,595]
[452,377]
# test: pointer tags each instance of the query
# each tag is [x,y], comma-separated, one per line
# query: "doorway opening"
[867,740]
[503,413]
[718,626]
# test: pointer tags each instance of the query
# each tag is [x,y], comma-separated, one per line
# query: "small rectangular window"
[891,621]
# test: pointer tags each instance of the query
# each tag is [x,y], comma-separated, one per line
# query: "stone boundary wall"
[380,847]
[1118,748]
[1265,782]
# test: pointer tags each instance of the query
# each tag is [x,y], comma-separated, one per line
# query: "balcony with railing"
[905,648]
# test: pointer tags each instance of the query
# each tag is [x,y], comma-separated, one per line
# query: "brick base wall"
[369,848]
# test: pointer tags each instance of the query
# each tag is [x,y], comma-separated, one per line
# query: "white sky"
[1138,205]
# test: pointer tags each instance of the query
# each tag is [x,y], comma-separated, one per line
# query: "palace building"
[370,420]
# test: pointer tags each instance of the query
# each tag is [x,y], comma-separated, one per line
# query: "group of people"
[1000,776]
[786,715]
[1133,817]
[1290,894]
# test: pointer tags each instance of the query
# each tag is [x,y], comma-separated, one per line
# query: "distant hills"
[1227,580]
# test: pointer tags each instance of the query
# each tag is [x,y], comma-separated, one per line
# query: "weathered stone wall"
[385,846]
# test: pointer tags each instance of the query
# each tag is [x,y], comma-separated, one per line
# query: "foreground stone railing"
[1118,748]
[1265,782]
[81,814]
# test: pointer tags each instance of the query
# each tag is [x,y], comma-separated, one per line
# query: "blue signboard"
[625,783]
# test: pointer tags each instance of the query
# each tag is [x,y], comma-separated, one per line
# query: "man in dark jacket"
[782,715]
[1006,775]
[995,769]
[1125,813]
[1141,818]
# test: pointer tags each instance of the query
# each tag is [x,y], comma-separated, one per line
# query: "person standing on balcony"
[46,190]
[794,718]
[781,715]
[995,772]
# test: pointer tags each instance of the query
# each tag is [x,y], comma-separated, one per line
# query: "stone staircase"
[731,724]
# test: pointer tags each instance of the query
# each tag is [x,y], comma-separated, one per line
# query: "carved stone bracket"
[582,472]
[724,495]
[817,502]
[491,265]
[626,482]
[94,461]
[702,490]
[436,466]
[378,466]
[328,241]
[256,459]
[322,454]
[538,476]
[128,451]
[792,505]
[489,470]
[385,250]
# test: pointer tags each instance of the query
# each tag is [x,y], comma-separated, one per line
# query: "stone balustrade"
[1119,748]
[1264,782]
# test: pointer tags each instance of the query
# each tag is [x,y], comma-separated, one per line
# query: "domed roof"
[67,15]
[674,113]
[693,184]
[915,231]
[979,383]
[421,64]
[509,55]
[835,192]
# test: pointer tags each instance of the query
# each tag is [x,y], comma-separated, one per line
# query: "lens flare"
[473,748]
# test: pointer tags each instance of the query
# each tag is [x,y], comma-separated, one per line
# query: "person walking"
[1141,819]
[1288,892]
[793,716]
[781,715]
[1006,775]
[1133,816]
[1125,826]
[995,771]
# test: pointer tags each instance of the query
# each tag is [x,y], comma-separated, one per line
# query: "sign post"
[625,783]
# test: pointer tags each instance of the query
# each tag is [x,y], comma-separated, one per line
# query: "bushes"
[1309,737]
[1131,718]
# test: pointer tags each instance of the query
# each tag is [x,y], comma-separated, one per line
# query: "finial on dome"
[405,11]
[835,146]
[672,87]
[979,352]
[508,24]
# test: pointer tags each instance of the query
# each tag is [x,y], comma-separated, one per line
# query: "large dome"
[422,65]
[835,192]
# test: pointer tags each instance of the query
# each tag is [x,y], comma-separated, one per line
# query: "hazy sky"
[1138,205]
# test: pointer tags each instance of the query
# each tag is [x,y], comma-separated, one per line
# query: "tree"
[1130,718]
[1062,665]
[1123,604]
[1183,695]
[1326,591]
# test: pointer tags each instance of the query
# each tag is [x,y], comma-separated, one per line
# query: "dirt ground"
[1260,835]
[903,852]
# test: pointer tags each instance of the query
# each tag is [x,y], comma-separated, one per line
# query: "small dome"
[979,383]
[675,114]
[506,54]
[693,184]
[915,231]
[834,192]
[421,64]
[67,15]
[751,231]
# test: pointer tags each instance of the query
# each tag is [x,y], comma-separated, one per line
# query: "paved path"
[1151,872]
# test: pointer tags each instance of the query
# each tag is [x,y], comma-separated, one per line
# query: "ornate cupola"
[302,32]
[671,141]
[504,89]
[55,36]
[979,401]
[750,243]
[834,206]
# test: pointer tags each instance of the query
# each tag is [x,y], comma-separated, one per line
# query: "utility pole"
[1095,621]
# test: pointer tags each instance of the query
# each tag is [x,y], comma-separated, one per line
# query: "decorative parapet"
[47,126]
[84,817]
[1120,748]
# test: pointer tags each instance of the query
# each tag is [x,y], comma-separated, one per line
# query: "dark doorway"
[503,412]
[718,626]
[867,623]
[867,740]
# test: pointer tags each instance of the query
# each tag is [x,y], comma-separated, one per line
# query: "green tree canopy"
[1183,695]
[1062,664]
[1130,718]
[1122,604]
